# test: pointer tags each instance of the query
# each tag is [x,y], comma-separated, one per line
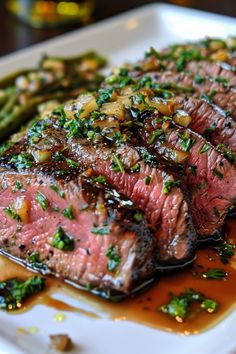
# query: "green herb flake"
[215,273]
[226,250]
[114,258]
[62,241]
[14,292]
[42,200]
[22,161]
[104,95]
[35,263]
[100,230]
[72,164]
[138,216]
[179,307]
[218,174]
[148,180]
[168,185]
[68,213]
[18,185]
[117,165]
[12,213]
[201,185]
[186,141]
[157,134]
[227,152]
[57,190]
[204,148]
[135,168]
[221,80]
[100,179]
[199,80]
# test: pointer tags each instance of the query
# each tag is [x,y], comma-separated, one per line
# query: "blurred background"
[26,22]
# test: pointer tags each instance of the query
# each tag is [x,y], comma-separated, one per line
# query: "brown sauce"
[144,307]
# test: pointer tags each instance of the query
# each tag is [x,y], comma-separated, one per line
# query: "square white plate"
[122,38]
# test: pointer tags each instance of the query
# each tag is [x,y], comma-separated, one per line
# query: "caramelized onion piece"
[182,118]
[165,107]
[116,109]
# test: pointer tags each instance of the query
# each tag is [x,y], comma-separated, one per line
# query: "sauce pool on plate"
[144,308]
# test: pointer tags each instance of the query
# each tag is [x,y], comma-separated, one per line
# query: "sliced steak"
[205,120]
[76,230]
[166,212]
[211,179]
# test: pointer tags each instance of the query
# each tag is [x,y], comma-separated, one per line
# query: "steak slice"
[210,178]
[207,88]
[77,230]
[167,212]
[205,120]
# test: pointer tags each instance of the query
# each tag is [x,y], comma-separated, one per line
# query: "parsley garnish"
[168,185]
[12,214]
[215,273]
[100,179]
[14,292]
[104,95]
[22,161]
[225,250]
[114,258]
[201,185]
[117,165]
[68,213]
[179,306]
[227,152]
[57,190]
[204,148]
[218,174]
[62,241]
[42,200]
[186,141]
[157,134]
[148,180]
[72,164]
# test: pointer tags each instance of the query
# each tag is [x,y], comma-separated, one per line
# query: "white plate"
[122,38]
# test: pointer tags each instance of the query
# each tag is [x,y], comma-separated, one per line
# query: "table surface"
[16,35]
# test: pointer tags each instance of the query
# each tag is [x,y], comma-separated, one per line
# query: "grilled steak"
[76,229]
[125,169]
[211,179]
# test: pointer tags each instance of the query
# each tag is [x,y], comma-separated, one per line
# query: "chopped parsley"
[68,213]
[22,161]
[204,148]
[62,241]
[199,79]
[215,273]
[57,190]
[12,214]
[225,250]
[104,95]
[201,185]
[221,80]
[179,307]
[227,152]
[117,165]
[105,230]
[18,185]
[138,216]
[4,147]
[72,164]
[216,212]
[42,200]
[100,179]
[113,258]
[208,97]
[168,185]
[157,134]
[135,168]
[218,174]
[35,263]
[186,141]
[14,292]
[148,180]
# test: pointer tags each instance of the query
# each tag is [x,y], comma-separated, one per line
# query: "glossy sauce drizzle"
[144,307]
